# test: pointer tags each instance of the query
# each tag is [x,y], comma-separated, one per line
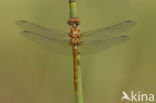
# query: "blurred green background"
[31,74]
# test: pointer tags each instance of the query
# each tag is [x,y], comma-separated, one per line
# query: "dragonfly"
[89,42]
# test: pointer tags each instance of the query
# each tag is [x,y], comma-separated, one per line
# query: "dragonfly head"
[72,21]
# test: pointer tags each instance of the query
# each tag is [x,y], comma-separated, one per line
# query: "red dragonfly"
[68,43]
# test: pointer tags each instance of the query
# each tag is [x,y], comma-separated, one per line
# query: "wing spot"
[26,31]
[128,21]
[24,21]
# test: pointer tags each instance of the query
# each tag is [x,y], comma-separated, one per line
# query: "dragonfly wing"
[56,45]
[34,28]
[55,40]
[94,46]
[102,33]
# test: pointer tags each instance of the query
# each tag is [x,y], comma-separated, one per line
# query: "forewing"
[107,32]
[55,40]
[94,46]
[34,28]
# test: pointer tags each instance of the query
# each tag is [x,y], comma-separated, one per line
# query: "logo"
[137,96]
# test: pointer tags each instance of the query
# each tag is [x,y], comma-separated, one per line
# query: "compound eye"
[77,21]
[70,22]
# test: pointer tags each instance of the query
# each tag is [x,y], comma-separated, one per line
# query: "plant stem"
[79,87]
[79,96]
[72,5]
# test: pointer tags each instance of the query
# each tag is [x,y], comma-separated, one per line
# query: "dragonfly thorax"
[75,41]
[75,32]
[75,36]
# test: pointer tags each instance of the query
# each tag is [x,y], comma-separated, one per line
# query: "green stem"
[79,87]
[72,5]
[79,96]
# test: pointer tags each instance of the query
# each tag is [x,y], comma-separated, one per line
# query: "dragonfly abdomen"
[75,51]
